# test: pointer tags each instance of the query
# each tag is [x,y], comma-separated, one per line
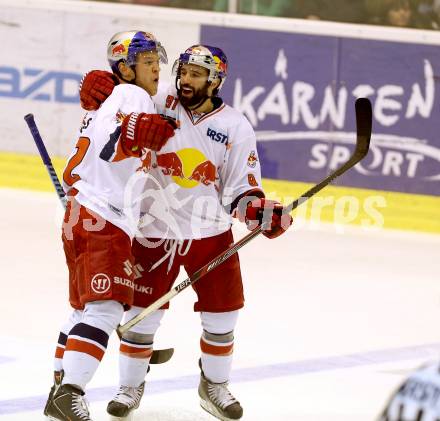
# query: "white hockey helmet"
[211,58]
[124,46]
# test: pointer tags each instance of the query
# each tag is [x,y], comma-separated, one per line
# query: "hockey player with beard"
[100,223]
[208,173]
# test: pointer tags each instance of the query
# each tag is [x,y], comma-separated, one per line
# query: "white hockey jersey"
[107,181]
[210,161]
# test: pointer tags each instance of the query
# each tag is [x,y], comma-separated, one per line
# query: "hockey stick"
[363,131]
[158,356]
[29,118]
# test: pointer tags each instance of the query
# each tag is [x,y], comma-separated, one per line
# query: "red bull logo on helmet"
[118,49]
[222,67]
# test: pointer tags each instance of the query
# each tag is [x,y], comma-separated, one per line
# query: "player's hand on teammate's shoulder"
[138,130]
[95,87]
[268,213]
[141,130]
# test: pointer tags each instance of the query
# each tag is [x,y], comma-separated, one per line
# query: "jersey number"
[81,149]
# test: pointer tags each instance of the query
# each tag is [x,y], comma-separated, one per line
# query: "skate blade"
[211,409]
[129,417]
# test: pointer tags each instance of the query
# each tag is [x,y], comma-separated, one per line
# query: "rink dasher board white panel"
[47,39]
[64,41]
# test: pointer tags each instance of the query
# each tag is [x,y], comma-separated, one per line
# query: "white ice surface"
[332,322]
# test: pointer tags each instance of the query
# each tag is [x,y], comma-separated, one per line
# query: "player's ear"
[126,71]
[213,86]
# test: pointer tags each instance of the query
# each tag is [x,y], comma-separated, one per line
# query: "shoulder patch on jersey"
[252,159]
[252,180]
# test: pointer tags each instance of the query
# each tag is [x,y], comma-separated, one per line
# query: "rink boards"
[339,205]
[295,81]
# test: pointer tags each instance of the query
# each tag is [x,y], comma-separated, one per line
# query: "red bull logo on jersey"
[146,163]
[204,173]
[187,167]
[171,164]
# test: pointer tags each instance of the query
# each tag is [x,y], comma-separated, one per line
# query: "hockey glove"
[267,213]
[95,87]
[141,130]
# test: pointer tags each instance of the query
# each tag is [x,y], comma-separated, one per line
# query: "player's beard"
[199,95]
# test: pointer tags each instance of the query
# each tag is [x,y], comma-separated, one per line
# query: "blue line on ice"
[4,360]
[295,368]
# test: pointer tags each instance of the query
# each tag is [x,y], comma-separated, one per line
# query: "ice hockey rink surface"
[333,322]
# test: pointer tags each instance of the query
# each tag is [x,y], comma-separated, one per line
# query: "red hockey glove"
[141,130]
[267,213]
[95,87]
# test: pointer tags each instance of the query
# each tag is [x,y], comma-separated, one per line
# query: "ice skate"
[125,402]
[57,378]
[216,399]
[68,404]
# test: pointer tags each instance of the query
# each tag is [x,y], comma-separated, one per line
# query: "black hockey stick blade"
[161,356]
[364,121]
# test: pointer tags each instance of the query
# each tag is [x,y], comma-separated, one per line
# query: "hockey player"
[100,221]
[417,398]
[208,172]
